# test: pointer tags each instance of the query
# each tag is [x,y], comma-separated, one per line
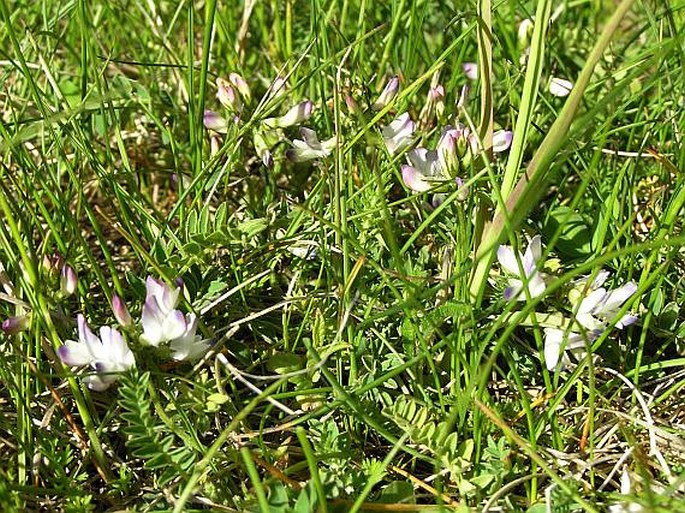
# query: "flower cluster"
[594,308]
[161,323]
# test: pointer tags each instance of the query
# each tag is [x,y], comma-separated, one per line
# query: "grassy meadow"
[345,256]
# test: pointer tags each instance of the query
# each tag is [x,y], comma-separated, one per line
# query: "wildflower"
[188,346]
[625,506]
[121,313]
[436,96]
[240,84]
[161,321]
[107,354]
[15,324]
[557,341]
[501,140]
[424,167]
[470,70]
[397,135]
[530,278]
[277,88]
[448,149]
[68,282]
[227,95]
[214,121]
[297,114]
[388,94]
[310,147]
[560,86]
[352,105]
[600,307]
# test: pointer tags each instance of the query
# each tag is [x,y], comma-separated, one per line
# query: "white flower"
[106,355]
[423,168]
[161,321]
[188,346]
[509,261]
[309,147]
[560,86]
[600,307]
[295,115]
[501,140]
[398,134]
[557,341]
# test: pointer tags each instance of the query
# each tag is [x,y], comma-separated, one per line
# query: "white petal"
[507,259]
[533,253]
[560,86]
[616,297]
[501,140]
[553,340]
[590,302]
[75,354]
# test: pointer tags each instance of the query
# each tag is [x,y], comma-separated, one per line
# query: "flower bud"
[296,115]
[447,151]
[13,325]
[525,31]
[227,95]
[388,94]
[68,281]
[240,84]
[121,313]
[352,105]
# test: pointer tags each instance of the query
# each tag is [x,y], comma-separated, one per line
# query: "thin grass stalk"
[528,189]
[531,85]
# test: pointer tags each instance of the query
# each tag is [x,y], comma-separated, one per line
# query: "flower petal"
[560,86]
[75,354]
[415,179]
[501,140]
[506,256]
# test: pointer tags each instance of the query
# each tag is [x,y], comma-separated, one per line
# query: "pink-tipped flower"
[240,84]
[227,96]
[448,149]
[121,313]
[160,319]
[278,88]
[214,121]
[470,70]
[295,115]
[422,170]
[388,94]
[107,354]
[398,134]
[560,86]
[309,147]
[16,324]
[68,282]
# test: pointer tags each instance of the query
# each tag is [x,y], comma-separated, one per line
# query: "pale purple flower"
[398,134]
[107,354]
[470,70]
[68,282]
[188,346]
[600,307]
[121,313]
[227,96]
[295,115]
[560,86]
[388,94]
[309,147]
[214,121]
[422,169]
[509,260]
[161,321]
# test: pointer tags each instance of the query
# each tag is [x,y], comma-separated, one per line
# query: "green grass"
[363,356]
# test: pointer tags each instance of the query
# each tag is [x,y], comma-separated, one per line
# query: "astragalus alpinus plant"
[341,256]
